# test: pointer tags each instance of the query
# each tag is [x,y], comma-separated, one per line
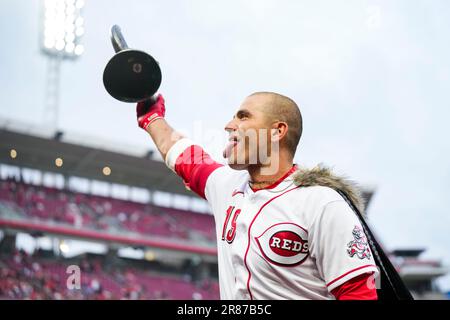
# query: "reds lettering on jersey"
[280,242]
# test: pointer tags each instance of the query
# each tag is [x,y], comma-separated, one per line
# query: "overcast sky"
[371,79]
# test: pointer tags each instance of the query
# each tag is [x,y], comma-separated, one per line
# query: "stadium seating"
[27,277]
[106,214]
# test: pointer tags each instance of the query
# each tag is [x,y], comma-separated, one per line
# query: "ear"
[279,131]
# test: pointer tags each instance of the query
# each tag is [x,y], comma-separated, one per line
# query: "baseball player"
[283,232]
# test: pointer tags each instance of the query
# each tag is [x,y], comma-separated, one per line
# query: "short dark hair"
[285,109]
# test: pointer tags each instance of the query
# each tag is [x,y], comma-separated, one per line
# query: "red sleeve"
[357,289]
[194,166]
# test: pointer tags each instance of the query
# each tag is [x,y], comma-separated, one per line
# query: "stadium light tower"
[61,31]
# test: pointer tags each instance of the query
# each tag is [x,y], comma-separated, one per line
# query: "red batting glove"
[146,115]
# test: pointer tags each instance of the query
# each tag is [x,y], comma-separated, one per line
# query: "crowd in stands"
[102,213]
[24,276]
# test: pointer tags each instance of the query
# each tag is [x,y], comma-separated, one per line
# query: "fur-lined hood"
[323,176]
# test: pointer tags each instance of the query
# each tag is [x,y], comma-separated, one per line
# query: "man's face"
[249,134]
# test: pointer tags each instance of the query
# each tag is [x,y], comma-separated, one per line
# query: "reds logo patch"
[358,245]
[284,244]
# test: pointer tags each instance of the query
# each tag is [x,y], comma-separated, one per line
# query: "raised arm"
[181,155]
[151,119]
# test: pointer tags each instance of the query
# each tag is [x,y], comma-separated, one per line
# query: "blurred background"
[82,185]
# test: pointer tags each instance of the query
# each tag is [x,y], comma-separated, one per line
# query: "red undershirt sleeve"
[358,288]
[192,164]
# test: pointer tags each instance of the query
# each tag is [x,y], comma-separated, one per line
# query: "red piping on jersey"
[277,224]
[249,229]
[235,192]
[273,185]
[353,270]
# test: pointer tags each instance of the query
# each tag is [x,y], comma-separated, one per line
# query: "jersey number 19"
[229,236]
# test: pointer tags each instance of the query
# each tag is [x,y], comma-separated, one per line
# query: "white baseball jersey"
[281,242]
